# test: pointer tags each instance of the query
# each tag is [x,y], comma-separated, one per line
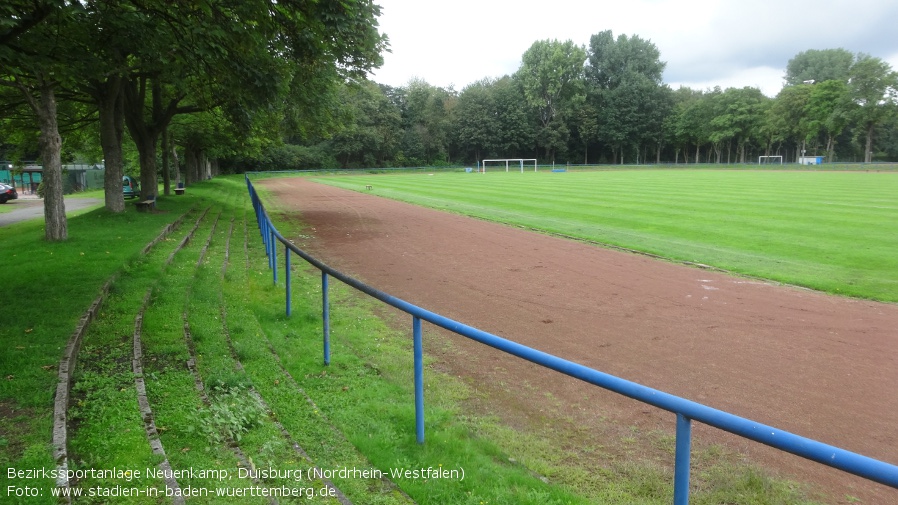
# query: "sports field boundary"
[685,410]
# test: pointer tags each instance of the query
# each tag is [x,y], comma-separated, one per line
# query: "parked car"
[130,187]
[7,193]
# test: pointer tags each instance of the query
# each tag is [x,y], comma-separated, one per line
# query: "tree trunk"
[145,130]
[109,103]
[697,154]
[146,149]
[55,224]
[143,133]
[868,149]
[202,167]
[177,167]
[166,169]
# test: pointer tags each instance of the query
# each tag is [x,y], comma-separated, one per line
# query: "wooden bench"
[368,187]
[146,205]
[179,191]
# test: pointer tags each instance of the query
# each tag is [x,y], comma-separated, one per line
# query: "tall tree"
[106,41]
[35,50]
[587,125]
[613,60]
[370,133]
[623,82]
[815,65]
[658,107]
[738,114]
[684,122]
[517,128]
[551,75]
[785,120]
[203,56]
[828,112]
[874,88]
[476,119]
[426,122]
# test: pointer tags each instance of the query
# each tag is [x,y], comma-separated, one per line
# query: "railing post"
[681,460]
[287,276]
[326,317]
[274,258]
[263,229]
[419,379]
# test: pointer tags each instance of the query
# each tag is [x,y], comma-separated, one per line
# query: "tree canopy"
[141,64]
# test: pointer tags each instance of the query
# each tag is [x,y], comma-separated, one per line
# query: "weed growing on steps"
[232,412]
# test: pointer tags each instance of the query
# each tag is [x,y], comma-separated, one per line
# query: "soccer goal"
[770,160]
[510,162]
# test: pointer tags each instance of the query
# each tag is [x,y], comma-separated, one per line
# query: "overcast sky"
[706,43]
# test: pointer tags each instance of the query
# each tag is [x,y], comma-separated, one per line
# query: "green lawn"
[832,231]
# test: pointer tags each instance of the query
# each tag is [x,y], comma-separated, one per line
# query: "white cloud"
[704,42]
[768,80]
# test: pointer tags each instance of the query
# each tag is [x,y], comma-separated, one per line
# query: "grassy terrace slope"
[227,381]
[832,231]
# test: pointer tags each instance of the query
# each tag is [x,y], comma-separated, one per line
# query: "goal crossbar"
[770,159]
[519,161]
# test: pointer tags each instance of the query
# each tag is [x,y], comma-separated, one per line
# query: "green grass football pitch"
[831,231]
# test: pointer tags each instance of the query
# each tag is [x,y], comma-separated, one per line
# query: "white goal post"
[519,161]
[767,160]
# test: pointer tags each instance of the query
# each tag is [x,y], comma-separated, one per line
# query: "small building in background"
[75,178]
[810,160]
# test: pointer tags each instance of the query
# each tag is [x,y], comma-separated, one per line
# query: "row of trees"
[258,85]
[606,103]
[101,71]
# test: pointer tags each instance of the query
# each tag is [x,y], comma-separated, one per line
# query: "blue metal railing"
[685,410]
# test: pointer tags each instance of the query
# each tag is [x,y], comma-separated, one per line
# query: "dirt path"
[818,366]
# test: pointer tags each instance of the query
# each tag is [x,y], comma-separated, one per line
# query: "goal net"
[770,160]
[510,163]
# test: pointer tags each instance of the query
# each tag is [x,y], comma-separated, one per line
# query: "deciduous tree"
[551,76]
[35,52]
[828,112]
[874,88]
[815,65]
